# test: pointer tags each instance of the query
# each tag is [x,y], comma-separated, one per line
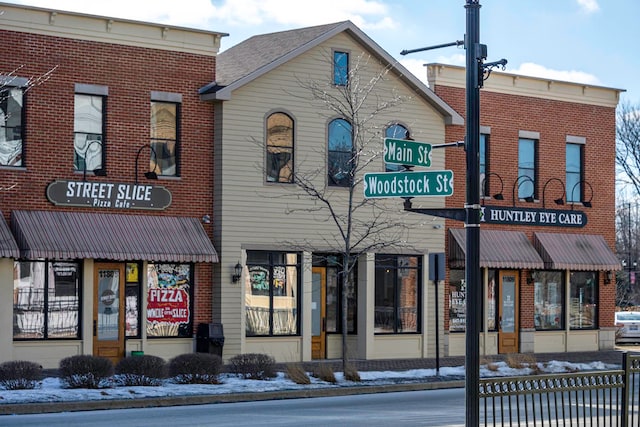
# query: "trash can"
[210,338]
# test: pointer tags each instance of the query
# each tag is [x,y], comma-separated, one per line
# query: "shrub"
[20,375]
[297,374]
[351,373]
[143,370]
[521,361]
[255,366]
[324,372]
[86,371]
[195,368]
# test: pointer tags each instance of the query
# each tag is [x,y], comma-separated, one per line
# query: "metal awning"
[8,246]
[498,249]
[73,235]
[575,252]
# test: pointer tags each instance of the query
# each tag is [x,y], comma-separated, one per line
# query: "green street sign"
[405,152]
[408,184]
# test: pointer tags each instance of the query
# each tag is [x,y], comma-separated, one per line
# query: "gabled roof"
[260,54]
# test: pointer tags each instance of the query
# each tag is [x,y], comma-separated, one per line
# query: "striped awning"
[585,252]
[498,249]
[73,235]
[8,246]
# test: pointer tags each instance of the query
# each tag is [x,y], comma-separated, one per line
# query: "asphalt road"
[431,408]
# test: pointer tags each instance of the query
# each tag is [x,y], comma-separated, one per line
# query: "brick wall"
[131,74]
[506,115]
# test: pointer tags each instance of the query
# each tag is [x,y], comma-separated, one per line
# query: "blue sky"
[587,41]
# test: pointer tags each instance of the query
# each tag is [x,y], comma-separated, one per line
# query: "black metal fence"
[599,398]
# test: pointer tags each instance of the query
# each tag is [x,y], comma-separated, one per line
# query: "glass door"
[108,311]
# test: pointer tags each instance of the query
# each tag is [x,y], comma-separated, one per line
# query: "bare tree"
[361,225]
[628,143]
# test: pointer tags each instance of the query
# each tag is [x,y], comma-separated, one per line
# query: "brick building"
[547,164]
[105,261]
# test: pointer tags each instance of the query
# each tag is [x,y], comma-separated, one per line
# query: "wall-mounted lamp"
[518,182]
[559,200]
[608,277]
[533,277]
[585,203]
[486,181]
[101,171]
[206,219]
[237,273]
[149,174]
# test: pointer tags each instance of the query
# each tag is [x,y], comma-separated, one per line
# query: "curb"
[93,405]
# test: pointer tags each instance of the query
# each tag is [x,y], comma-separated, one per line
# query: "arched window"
[279,148]
[396,131]
[340,162]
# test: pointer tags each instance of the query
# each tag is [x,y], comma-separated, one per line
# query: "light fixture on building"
[101,171]
[559,200]
[237,273]
[487,180]
[585,203]
[206,219]
[608,276]
[149,174]
[518,182]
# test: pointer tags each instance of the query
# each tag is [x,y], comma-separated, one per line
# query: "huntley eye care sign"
[108,195]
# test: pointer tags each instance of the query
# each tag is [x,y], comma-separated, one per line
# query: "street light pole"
[474,58]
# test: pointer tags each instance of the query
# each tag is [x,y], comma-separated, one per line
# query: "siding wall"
[252,214]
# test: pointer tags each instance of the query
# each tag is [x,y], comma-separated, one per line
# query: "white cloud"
[536,70]
[367,14]
[416,67]
[589,6]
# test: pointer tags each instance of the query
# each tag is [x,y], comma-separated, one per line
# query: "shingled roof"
[260,54]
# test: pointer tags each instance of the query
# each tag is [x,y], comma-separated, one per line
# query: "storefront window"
[169,297]
[397,295]
[548,300]
[46,300]
[583,300]
[491,301]
[132,300]
[457,301]
[271,293]
[334,294]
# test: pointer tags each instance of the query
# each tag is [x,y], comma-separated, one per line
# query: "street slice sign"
[405,152]
[408,184]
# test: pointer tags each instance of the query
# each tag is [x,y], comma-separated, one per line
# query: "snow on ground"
[50,390]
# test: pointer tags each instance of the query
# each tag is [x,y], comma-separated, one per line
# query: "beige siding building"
[271,133]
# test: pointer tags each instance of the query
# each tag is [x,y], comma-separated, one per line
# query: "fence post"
[624,417]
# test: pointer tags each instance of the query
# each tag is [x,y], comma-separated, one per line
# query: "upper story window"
[11,128]
[574,172]
[279,148]
[340,68]
[340,160]
[88,129]
[527,168]
[165,125]
[396,131]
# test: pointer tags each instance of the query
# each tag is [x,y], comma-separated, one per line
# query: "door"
[108,311]
[318,313]
[508,312]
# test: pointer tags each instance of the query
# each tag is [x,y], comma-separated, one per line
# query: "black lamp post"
[585,203]
[476,70]
[516,185]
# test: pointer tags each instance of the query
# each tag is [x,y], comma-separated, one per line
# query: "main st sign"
[406,152]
